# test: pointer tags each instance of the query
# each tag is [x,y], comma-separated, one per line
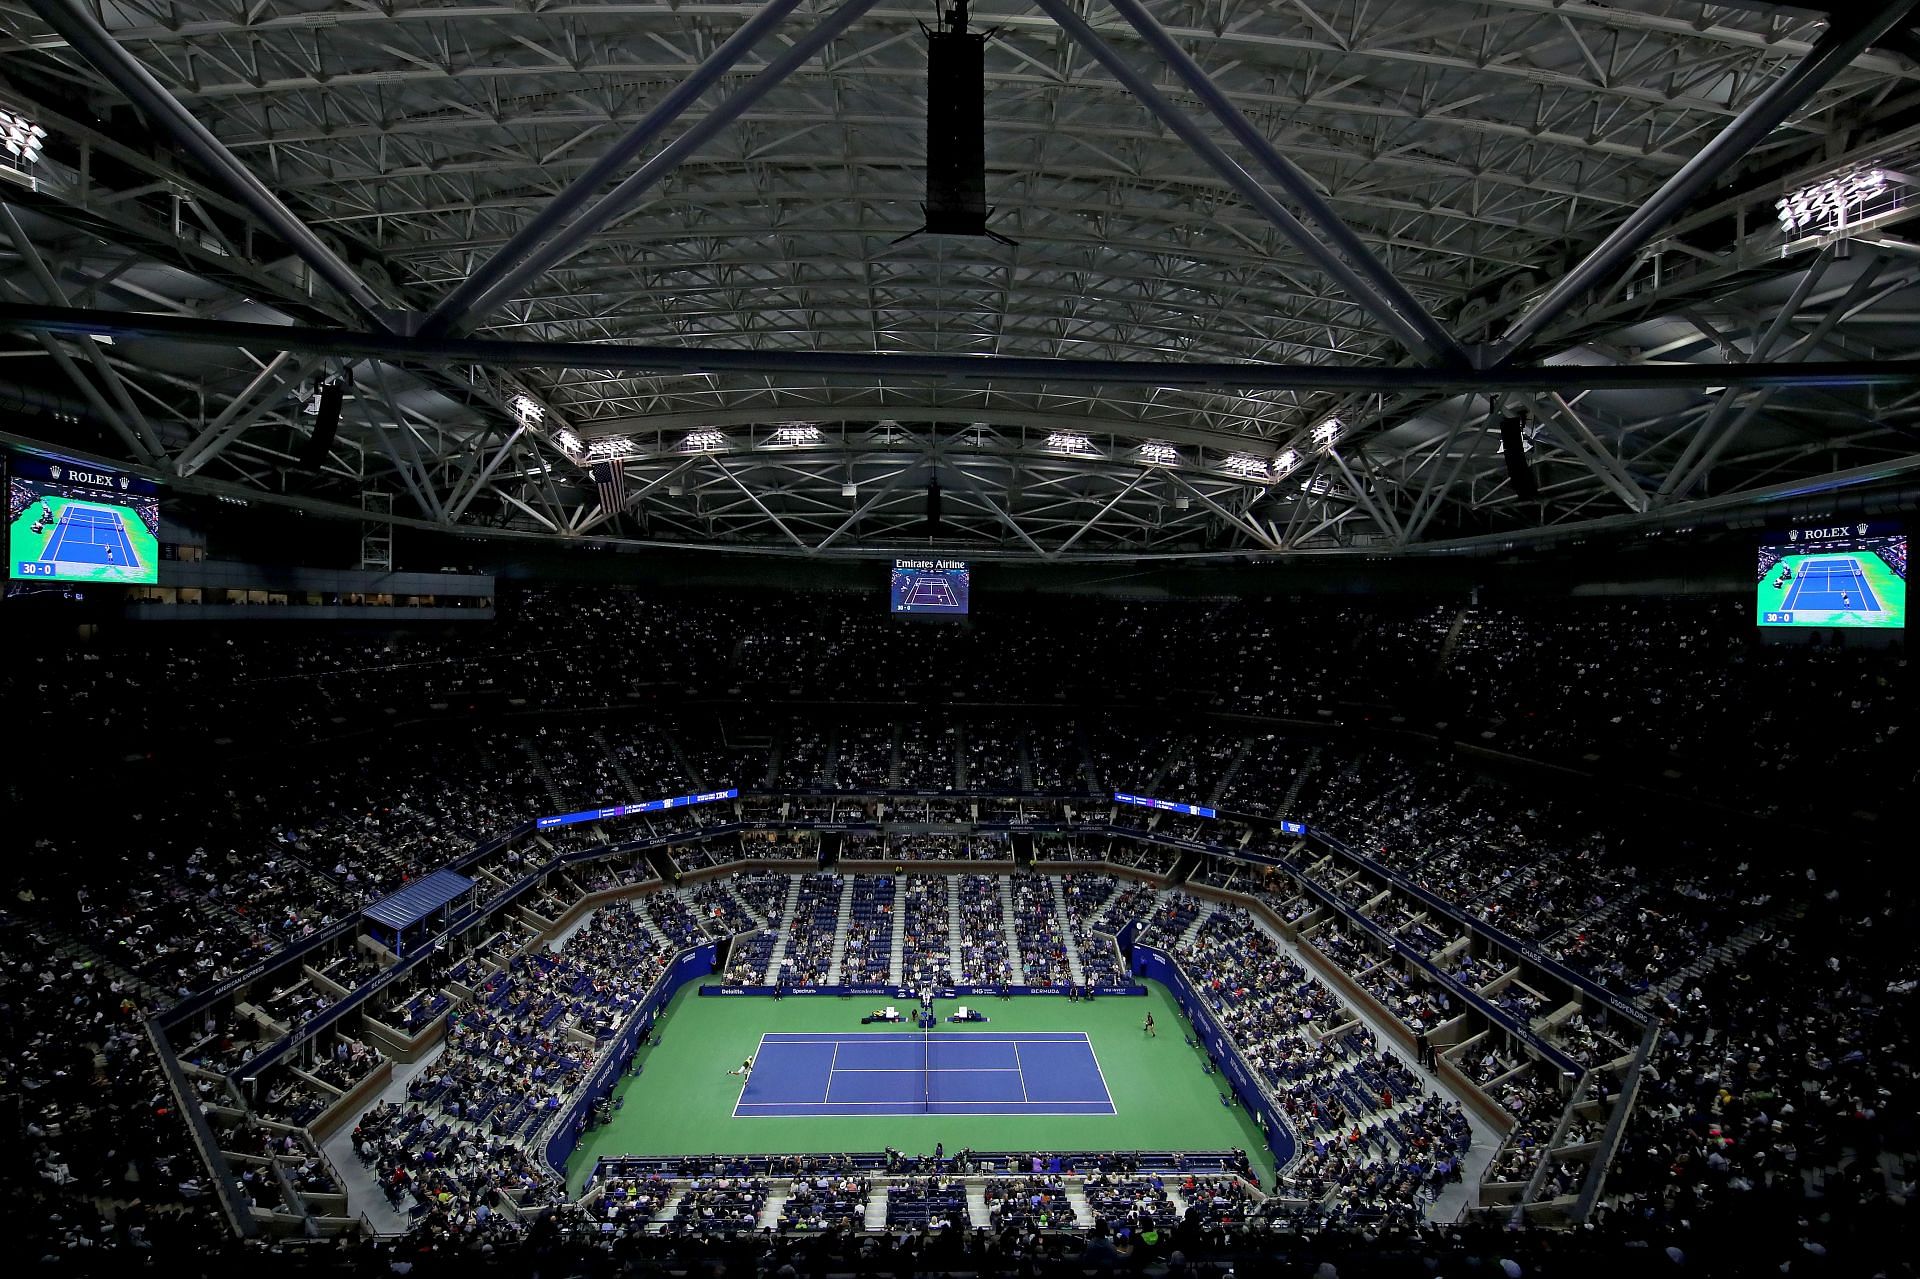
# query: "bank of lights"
[1159,454]
[1285,463]
[1246,464]
[1066,442]
[526,410]
[1830,202]
[20,137]
[569,442]
[704,441]
[1327,434]
[609,446]
[798,434]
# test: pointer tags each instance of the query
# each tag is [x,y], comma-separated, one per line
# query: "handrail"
[1500,937]
[1616,1124]
[200,1132]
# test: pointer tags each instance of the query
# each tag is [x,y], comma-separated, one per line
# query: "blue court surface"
[951,1072]
[1834,583]
[89,535]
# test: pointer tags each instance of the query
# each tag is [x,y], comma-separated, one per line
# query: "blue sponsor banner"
[1163,805]
[628,810]
[888,992]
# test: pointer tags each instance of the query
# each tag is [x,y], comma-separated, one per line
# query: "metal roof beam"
[455,307]
[1249,188]
[1296,184]
[1844,41]
[622,198]
[978,371]
[81,29]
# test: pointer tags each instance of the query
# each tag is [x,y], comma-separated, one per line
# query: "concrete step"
[842,919]
[897,962]
[784,929]
[1075,972]
[956,957]
[1015,960]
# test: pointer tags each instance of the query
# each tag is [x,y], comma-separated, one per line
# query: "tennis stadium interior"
[774,637]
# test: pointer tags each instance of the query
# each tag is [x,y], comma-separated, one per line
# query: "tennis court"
[932,592]
[1832,583]
[90,535]
[957,1072]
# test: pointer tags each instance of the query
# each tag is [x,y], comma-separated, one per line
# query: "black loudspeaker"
[956,133]
[1514,450]
[326,425]
[933,507]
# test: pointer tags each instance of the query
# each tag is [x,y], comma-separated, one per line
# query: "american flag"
[609,478]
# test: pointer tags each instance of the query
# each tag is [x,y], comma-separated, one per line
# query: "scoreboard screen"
[68,522]
[1850,575]
[930,586]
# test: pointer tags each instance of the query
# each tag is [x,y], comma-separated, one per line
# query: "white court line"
[1023,1072]
[937,1070]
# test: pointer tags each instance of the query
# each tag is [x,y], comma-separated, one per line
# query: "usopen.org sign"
[628,810]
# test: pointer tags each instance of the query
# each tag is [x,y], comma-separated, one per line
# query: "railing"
[1499,937]
[238,1215]
[1616,1125]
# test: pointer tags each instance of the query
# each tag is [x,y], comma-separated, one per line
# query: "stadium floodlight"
[798,433]
[1830,202]
[569,442]
[1155,453]
[526,410]
[1285,463]
[609,446]
[703,441]
[1068,442]
[1328,433]
[1246,464]
[20,137]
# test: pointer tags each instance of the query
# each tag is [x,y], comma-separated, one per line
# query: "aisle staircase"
[1715,957]
[956,957]
[1075,973]
[1231,771]
[547,783]
[619,767]
[842,921]
[1077,1200]
[1015,960]
[741,901]
[1299,783]
[783,930]
[897,963]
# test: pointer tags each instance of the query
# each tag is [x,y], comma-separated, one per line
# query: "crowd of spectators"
[1783,1077]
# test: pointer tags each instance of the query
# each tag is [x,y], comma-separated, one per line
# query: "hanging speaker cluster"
[956,202]
[326,425]
[1513,448]
[956,129]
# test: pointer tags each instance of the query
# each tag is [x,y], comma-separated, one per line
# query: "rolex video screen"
[1852,575]
[74,523]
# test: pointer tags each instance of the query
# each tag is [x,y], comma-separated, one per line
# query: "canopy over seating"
[419,900]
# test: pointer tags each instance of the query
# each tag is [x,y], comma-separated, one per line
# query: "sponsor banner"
[1163,805]
[628,810]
